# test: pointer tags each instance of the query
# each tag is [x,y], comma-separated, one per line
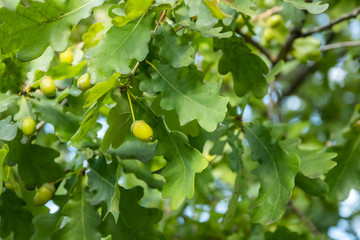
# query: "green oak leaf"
[245,6]
[345,175]
[87,123]
[311,7]
[276,172]
[32,29]
[119,47]
[307,49]
[198,9]
[275,71]
[102,179]
[135,222]
[172,119]
[6,100]
[133,9]
[247,68]
[12,73]
[83,217]
[35,163]
[183,161]
[65,123]
[312,186]
[64,70]
[14,217]
[45,224]
[170,48]
[100,89]
[184,91]
[90,38]
[139,169]
[25,110]
[3,153]
[313,163]
[119,121]
[234,200]
[7,130]
[182,18]
[42,64]
[215,11]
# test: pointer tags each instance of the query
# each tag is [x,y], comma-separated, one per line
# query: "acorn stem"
[131,108]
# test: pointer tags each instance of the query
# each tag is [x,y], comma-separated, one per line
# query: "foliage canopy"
[251,106]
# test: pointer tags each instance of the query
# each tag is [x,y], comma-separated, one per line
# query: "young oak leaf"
[183,161]
[311,7]
[119,47]
[313,163]
[245,6]
[184,91]
[276,172]
[129,225]
[170,48]
[102,179]
[247,68]
[345,175]
[83,217]
[133,9]
[32,29]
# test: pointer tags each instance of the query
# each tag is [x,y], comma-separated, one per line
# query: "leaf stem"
[27,106]
[67,175]
[131,107]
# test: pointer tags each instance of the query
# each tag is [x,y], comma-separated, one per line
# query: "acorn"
[142,131]
[44,194]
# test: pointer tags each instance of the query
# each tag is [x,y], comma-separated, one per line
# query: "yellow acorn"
[28,126]
[44,194]
[274,20]
[48,87]
[142,131]
[66,56]
[83,82]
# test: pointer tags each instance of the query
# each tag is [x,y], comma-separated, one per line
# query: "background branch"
[343,17]
[263,50]
[340,45]
[304,218]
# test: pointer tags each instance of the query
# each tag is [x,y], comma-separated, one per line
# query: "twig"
[304,218]
[340,45]
[181,27]
[267,13]
[137,65]
[343,17]
[263,50]
[163,14]
[301,77]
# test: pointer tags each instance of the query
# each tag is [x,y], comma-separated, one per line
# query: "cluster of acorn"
[140,129]
[28,126]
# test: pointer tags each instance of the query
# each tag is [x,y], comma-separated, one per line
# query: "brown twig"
[162,17]
[263,50]
[181,27]
[340,45]
[343,17]
[267,13]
